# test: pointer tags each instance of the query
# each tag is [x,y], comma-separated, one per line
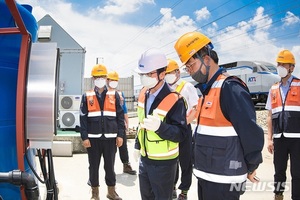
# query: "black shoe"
[182,197]
[127,169]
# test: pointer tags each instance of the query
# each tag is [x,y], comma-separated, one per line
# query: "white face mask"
[148,82]
[113,84]
[100,82]
[170,78]
[282,72]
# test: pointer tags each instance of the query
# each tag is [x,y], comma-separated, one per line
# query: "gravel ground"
[261,118]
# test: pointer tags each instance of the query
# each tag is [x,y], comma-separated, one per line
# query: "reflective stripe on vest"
[109,104]
[152,145]
[93,104]
[290,106]
[212,121]
[95,111]
[180,86]
[107,135]
[220,178]
[221,131]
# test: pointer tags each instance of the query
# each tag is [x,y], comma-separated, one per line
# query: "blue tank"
[9,60]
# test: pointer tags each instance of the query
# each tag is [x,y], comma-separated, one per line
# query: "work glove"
[136,155]
[152,123]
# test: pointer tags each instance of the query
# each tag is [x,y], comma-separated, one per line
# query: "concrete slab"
[62,148]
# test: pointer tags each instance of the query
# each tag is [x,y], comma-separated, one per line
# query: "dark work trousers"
[285,148]
[156,181]
[185,162]
[123,151]
[218,191]
[108,149]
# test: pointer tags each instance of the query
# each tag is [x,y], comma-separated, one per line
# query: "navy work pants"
[107,149]
[156,181]
[123,150]
[218,191]
[185,162]
[285,148]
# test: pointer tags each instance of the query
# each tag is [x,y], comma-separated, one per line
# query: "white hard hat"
[151,60]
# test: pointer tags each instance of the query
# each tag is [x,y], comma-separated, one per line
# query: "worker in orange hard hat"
[112,84]
[228,141]
[283,125]
[189,93]
[101,128]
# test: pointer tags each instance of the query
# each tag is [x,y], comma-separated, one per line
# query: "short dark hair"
[207,51]
[214,56]
[160,70]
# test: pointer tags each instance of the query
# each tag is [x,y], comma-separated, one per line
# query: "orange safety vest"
[212,120]
[286,115]
[109,110]
[215,132]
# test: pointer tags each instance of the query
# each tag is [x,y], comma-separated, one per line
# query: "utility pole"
[97,60]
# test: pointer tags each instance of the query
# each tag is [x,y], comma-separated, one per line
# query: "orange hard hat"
[189,44]
[285,56]
[172,65]
[99,70]
[113,75]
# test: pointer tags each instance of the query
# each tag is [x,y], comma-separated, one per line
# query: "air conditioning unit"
[69,119]
[69,102]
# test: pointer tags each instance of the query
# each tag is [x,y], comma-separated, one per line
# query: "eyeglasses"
[147,74]
[189,66]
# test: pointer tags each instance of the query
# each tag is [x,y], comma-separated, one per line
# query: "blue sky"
[119,31]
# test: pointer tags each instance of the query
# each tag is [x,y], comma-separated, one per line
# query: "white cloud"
[296,52]
[201,14]
[290,19]
[248,40]
[261,23]
[212,30]
[121,7]
[121,44]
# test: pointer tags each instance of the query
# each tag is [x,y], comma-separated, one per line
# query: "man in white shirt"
[283,125]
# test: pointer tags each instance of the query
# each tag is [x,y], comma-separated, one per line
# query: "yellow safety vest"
[152,145]
[180,86]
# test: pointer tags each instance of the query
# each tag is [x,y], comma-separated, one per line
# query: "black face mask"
[199,76]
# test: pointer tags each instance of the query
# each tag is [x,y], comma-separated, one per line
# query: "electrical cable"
[52,191]
[245,19]
[207,23]
[51,174]
[119,49]
[231,30]
[32,168]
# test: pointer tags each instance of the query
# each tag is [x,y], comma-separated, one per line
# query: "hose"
[49,177]
[52,191]
[19,178]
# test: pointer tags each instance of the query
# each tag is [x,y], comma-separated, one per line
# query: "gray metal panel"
[87,84]
[41,93]
[126,85]
[71,72]
[72,58]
